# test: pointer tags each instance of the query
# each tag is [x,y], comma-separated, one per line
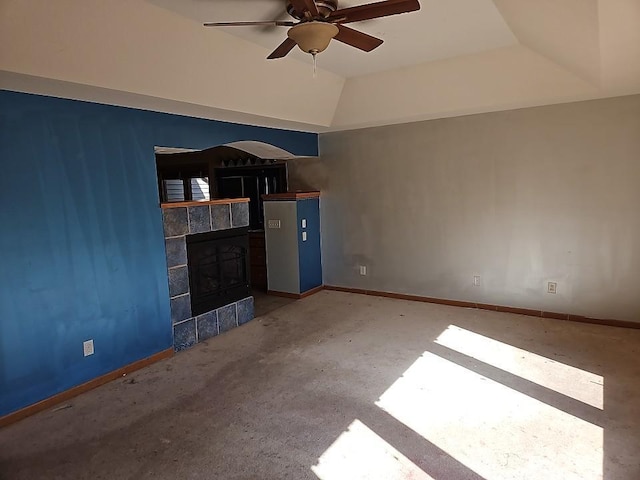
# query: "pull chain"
[315,66]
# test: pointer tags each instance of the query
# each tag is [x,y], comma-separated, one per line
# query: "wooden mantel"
[199,203]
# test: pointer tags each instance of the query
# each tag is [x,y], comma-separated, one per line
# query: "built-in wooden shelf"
[291,196]
[198,203]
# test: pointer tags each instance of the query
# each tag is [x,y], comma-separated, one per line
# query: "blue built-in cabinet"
[81,236]
[292,238]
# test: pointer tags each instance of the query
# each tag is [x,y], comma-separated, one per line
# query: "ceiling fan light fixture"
[313,37]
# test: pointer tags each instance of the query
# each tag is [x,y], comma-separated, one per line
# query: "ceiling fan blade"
[250,24]
[282,50]
[357,39]
[302,6]
[374,10]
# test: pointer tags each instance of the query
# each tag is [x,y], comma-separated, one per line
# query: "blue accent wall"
[81,241]
[309,251]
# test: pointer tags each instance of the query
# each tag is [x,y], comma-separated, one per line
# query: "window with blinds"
[200,189]
[177,190]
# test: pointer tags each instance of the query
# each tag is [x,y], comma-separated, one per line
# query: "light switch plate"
[273,224]
[304,223]
[304,236]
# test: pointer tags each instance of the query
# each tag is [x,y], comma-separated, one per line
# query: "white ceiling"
[440,29]
[453,57]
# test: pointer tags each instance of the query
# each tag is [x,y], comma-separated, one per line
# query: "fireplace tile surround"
[187,218]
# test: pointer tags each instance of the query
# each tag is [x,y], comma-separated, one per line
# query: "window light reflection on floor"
[496,431]
[359,454]
[573,382]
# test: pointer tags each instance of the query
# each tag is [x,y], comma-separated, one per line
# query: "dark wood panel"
[258,260]
[259,278]
[257,257]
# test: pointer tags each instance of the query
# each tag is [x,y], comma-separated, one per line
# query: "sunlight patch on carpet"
[359,454]
[573,382]
[497,432]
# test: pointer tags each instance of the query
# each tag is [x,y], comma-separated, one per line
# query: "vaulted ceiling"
[453,57]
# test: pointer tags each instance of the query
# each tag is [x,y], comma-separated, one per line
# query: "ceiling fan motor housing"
[325,7]
[320,21]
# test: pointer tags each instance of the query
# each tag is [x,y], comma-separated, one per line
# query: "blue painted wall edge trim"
[81,241]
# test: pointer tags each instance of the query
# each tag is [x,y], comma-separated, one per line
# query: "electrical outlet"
[476,280]
[273,224]
[363,270]
[552,287]
[88,347]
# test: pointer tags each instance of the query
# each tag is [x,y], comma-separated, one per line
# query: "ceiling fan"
[319,21]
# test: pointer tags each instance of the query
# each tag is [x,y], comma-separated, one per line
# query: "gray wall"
[283,267]
[521,198]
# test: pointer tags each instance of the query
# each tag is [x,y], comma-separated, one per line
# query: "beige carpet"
[344,386]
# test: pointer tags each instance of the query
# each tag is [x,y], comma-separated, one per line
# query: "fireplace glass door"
[218,268]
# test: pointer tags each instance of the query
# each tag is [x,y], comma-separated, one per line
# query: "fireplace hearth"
[218,268]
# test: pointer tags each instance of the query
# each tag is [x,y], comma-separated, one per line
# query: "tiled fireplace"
[183,223]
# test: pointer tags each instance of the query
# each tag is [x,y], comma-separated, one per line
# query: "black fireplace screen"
[218,268]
